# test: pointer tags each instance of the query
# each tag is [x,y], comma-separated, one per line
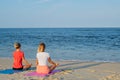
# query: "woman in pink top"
[43,59]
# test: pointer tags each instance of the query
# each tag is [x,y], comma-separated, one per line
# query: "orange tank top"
[17,56]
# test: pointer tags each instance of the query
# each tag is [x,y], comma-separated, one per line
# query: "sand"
[71,70]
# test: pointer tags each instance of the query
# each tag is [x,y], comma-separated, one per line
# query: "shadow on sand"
[79,65]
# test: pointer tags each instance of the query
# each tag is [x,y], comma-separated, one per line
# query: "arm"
[25,61]
[51,62]
[36,62]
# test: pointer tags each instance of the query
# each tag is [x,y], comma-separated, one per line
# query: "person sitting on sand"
[18,58]
[43,58]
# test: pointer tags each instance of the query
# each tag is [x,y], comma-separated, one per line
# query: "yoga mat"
[41,75]
[9,71]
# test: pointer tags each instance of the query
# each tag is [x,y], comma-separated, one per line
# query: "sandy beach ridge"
[71,70]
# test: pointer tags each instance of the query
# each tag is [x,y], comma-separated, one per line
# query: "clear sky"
[59,13]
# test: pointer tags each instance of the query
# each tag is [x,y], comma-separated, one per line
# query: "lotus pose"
[18,58]
[42,61]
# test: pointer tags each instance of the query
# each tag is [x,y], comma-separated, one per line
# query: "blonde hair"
[41,47]
[17,45]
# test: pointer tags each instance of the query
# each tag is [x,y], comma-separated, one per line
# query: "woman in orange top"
[18,57]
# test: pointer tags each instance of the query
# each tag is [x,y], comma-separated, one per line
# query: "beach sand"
[71,70]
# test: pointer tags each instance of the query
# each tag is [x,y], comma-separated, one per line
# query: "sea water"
[84,44]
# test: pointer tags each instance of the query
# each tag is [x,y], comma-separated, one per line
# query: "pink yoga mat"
[41,75]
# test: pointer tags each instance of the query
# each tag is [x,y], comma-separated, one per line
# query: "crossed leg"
[52,67]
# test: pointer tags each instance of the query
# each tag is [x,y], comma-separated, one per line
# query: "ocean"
[82,44]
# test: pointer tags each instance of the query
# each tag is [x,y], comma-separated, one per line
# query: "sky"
[59,13]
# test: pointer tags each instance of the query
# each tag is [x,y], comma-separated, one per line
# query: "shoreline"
[71,60]
[71,70]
